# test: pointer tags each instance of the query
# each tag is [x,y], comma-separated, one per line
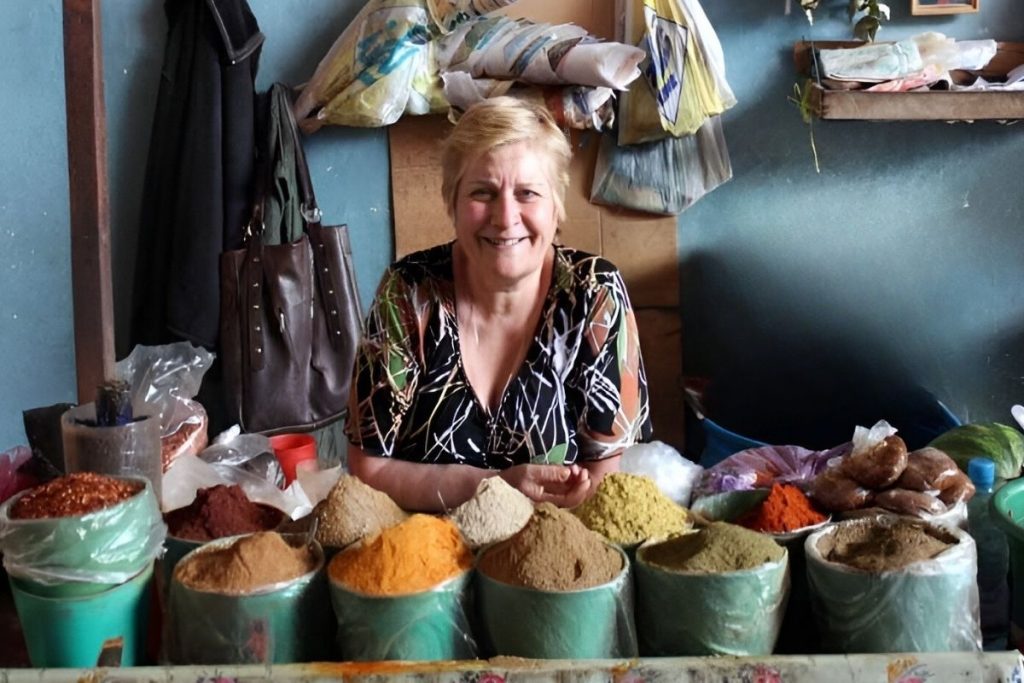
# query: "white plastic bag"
[673,473]
[188,474]
[684,80]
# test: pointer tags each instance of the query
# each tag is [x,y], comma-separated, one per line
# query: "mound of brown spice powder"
[249,564]
[553,552]
[220,511]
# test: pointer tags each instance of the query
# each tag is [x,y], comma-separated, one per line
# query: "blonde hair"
[501,121]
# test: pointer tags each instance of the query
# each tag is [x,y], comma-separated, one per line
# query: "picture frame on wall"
[925,7]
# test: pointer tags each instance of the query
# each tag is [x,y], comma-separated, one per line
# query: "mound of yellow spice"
[414,556]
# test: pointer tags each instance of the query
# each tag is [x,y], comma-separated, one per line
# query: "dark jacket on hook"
[199,172]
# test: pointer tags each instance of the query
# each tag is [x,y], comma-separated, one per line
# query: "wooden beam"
[90,209]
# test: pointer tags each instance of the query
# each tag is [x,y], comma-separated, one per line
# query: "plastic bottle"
[993,557]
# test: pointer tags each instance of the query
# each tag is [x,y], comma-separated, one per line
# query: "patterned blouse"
[581,393]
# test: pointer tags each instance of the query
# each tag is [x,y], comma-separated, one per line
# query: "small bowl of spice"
[786,514]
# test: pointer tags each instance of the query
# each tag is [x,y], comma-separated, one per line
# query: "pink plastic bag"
[11,480]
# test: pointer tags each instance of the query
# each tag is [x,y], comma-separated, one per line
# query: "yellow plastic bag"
[382,66]
[683,80]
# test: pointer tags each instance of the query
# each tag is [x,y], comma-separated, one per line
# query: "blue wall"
[896,271]
[37,360]
[349,168]
[899,264]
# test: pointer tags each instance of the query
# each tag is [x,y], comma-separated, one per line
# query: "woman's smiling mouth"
[503,242]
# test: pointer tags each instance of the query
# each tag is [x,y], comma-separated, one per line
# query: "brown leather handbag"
[290,318]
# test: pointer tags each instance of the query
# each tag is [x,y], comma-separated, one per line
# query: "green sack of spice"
[110,544]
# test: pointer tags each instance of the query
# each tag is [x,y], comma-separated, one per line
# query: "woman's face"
[505,215]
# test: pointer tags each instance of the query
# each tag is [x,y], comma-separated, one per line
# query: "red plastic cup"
[292,449]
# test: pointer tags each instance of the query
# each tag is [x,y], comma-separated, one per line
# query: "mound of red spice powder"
[785,509]
[221,511]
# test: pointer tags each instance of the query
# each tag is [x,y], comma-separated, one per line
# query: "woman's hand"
[564,486]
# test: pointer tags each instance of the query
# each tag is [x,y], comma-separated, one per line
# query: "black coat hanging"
[199,172]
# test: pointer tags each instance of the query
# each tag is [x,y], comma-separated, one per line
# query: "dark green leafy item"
[1000,442]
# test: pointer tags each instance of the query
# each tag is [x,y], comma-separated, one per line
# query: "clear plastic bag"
[684,81]
[760,467]
[593,623]
[664,176]
[190,473]
[279,624]
[927,606]
[250,452]
[430,625]
[735,613]
[108,546]
[164,380]
[381,66]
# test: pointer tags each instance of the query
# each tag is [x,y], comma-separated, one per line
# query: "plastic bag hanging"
[684,74]
[664,176]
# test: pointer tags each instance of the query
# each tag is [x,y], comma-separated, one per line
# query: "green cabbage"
[1001,443]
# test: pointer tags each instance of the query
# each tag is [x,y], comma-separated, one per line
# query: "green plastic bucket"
[174,549]
[97,550]
[426,626]
[72,631]
[700,613]
[1007,512]
[281,624]
[594,623]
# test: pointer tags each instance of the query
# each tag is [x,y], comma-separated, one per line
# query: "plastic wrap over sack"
[927,606]
[380,66]
[389,59]
[573,106]
[108,546]
[697,613]
[594,623]
[282,623]
[430,625]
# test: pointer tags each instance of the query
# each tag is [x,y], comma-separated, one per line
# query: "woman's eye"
[481,193]
[528,194]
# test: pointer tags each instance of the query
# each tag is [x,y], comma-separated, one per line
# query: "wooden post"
[90,209]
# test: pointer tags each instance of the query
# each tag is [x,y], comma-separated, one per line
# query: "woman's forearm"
[414,486]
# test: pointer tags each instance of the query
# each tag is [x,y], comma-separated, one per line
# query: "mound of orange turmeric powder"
[785,509]
[414,556]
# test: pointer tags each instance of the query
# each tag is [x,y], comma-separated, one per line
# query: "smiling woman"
[500,353]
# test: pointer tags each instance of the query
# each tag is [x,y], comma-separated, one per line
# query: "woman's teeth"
[505,242]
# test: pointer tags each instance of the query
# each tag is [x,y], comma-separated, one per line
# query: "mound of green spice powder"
[720,547]
[630,508]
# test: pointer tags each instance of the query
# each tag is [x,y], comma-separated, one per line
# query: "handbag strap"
[310,210]
[251,275]
[329,280]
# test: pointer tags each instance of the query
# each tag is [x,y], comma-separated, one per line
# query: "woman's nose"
[505,212]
